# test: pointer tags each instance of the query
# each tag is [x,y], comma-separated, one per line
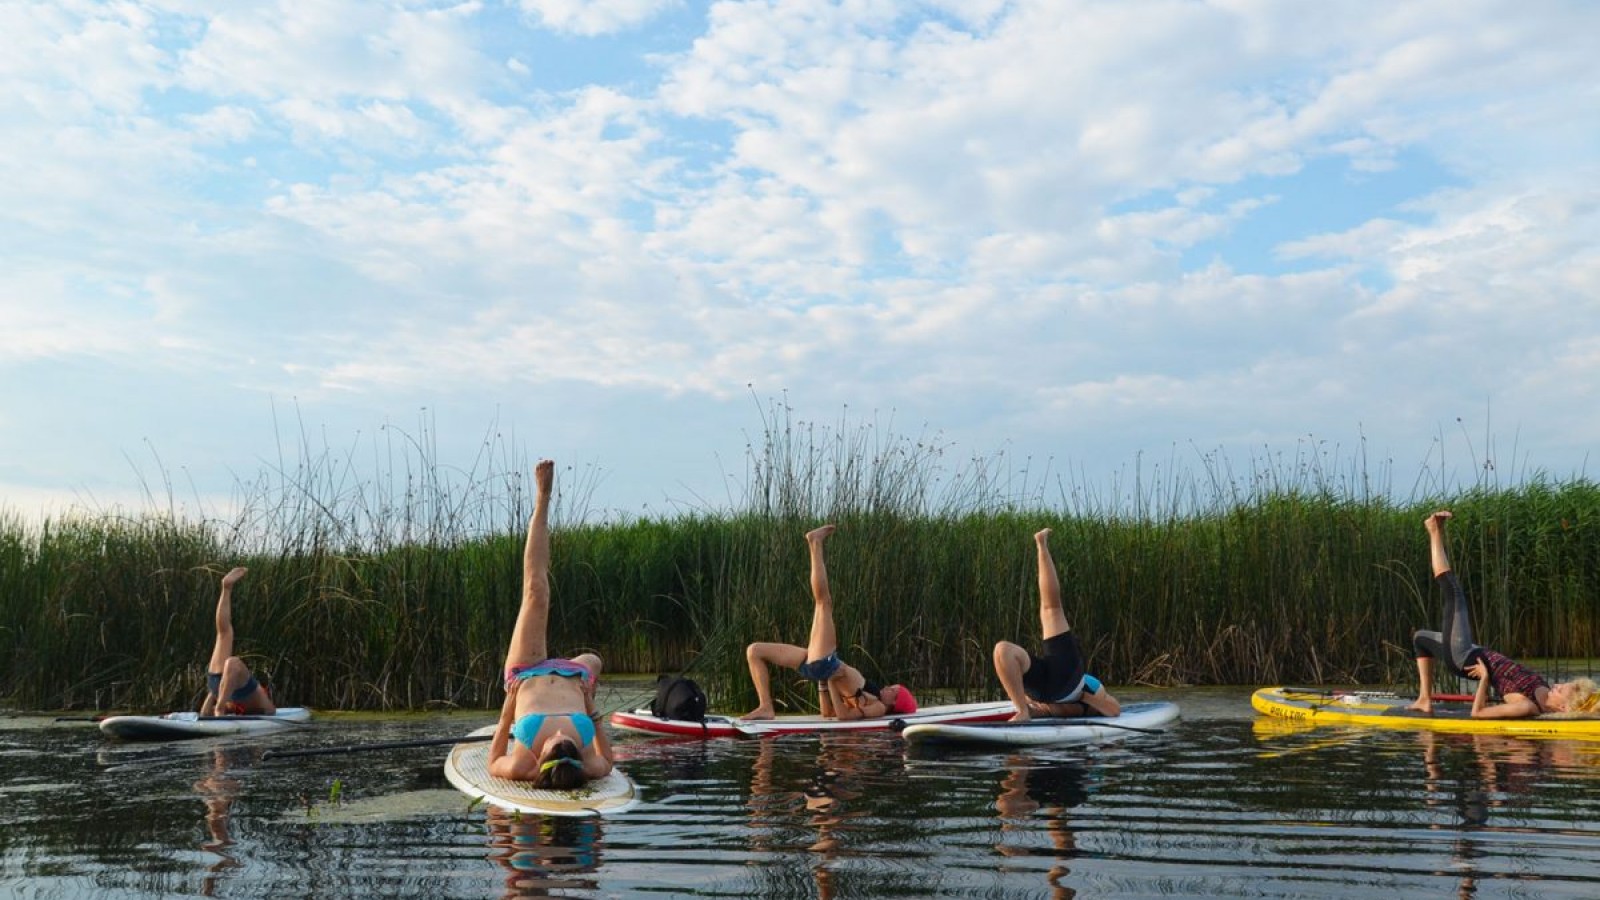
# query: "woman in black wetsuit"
[1054,684]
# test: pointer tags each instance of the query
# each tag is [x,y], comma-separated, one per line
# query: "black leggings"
[1453,646]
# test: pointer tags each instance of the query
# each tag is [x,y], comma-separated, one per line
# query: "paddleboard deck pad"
[467,768]
[184,725]
[1136,718]
[1378,709]
[716,726]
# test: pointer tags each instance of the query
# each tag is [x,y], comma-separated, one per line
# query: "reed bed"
[399,591]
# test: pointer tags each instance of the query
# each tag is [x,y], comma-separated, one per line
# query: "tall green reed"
[382,579]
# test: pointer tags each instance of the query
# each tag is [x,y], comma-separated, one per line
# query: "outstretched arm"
[834,705]
[502,731]
[1517,707]
[599,762]
[602,759]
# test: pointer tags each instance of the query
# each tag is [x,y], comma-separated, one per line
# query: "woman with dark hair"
[843,692]
[1055,684]
[231,688]
[549,731]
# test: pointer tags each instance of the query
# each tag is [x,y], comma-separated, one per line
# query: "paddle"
[379,745]
[1056,722]
[197,718]
[249,718]
[1034,723]
[1386,695]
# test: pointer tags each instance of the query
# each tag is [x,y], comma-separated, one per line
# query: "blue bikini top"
[525,729]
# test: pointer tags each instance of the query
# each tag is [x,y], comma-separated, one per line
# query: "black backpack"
[680,698]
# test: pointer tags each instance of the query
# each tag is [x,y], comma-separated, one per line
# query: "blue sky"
[1073,236]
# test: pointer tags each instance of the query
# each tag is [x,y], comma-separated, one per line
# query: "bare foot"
[233,576]
[818,535]
[1422,706]
[1021,716]
[1042,536]
[758,714]
[1435,522]
[544,476]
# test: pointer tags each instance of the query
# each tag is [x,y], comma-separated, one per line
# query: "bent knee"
[1006,652]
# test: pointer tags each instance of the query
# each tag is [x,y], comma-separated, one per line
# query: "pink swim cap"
[903,701]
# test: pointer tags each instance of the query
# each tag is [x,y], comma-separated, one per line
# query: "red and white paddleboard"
[716,726]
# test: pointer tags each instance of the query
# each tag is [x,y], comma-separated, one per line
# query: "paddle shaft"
[197,718]
[1444,698]
[381,745]
[1055,723]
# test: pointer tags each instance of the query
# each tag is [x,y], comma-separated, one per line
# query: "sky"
[1075,240]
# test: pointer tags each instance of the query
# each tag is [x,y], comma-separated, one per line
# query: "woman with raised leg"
[1054,684]
[842,691]
[231,688]
[549,731]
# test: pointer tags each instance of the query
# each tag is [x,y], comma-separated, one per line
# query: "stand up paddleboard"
[1136,718]
[1380,709]
[184,725]
[467,768]
[642,720]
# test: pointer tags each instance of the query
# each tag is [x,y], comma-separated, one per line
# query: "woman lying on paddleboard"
[549,731]
[842,691]
[1054,684]
[231,688]
[1522,691]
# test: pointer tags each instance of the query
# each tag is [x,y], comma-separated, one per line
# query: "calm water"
[1224,805]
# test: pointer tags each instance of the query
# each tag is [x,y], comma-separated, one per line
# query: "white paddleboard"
[1136,718]
[182,725]
[467,767]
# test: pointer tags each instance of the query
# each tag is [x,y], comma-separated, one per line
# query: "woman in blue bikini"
[549,731]
[843,692]
[231,688]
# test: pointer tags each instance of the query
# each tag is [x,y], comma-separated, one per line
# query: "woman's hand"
[1480,671]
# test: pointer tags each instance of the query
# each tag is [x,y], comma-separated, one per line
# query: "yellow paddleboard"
[1386,710]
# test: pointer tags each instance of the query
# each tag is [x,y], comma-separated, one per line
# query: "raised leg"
[223,648]
[1434,524]
[823,638]
[1052,618]
[529,642]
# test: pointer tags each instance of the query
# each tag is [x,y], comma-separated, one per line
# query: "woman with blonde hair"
[1522,691]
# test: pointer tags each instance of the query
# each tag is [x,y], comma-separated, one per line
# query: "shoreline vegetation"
[399,591]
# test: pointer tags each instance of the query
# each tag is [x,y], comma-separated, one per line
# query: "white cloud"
[590,18]
[1010,219]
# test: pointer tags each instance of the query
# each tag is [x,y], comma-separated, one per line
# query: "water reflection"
[1230,805]
[826,793]
[1473,775]
[218,790]
[545,855]
[1032,789]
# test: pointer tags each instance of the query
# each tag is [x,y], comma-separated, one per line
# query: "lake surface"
[1226,804]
